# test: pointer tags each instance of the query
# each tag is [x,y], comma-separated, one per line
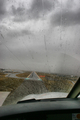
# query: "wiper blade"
[28,101]
[46,100]
[34,100]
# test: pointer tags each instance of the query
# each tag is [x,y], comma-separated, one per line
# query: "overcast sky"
[40,35]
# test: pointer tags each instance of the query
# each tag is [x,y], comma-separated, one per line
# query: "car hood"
[45,96]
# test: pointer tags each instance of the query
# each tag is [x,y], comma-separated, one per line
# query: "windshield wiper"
[46,100]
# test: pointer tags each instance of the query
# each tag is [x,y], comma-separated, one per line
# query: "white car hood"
[45,96]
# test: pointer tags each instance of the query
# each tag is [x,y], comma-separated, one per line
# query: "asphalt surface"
[13,75]
[26,88]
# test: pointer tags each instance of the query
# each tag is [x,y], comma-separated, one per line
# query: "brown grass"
[2,75]
[23,74]
[9,84]
[58,85]
[58,77]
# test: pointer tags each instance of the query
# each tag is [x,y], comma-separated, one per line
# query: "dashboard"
[47,115]
[51,109]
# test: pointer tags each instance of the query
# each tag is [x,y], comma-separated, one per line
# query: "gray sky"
[40,35]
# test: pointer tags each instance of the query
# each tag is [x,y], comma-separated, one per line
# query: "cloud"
[19,13]
[66,17]
[40,7]
[2,8]
[14,33]
[37,9]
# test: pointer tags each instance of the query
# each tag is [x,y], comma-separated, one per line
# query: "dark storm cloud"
[37,10]
[14,33]
[66,18]
[69,3]
[2,8]
[40,7]
[19,13]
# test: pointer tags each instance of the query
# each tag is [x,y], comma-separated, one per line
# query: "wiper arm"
[28,101]
[46,100]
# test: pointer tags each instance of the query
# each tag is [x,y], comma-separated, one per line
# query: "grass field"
[58,77]
[58,86]
[53,83]
[2,74]
[25,74]
[58,83]
[9,84]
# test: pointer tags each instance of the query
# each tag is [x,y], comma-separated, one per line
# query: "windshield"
[39,48]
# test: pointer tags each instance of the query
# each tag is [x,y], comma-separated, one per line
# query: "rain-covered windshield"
[39,48]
